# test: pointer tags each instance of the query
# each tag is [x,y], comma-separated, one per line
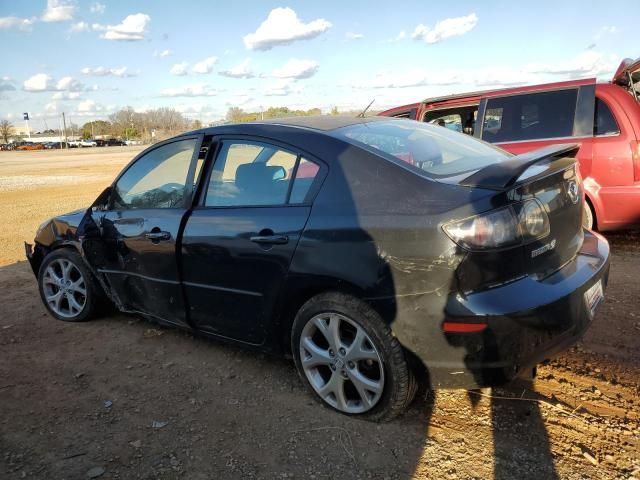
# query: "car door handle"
[271,239]
[158,236]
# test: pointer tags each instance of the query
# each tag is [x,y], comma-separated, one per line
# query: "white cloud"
[606,30]
[179,69]
[205,66]
[98,8]
[69,84]
[66,96]
[51,107]
[283,27]
[15,22]
[586,64]
[132,28]
[282,88]
[354,36]
[298,69]
[40,82]
[104,72]
[163,53]
[6,84]
[401,36]
[80,27]
[58,11]
[410,78]
[89,106]
[449,27]
[195,90]
[242,70]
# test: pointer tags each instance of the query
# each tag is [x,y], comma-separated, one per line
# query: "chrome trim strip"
[139,275]
[542,140]
[223,289]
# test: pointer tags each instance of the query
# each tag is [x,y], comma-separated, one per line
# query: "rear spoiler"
[505,174]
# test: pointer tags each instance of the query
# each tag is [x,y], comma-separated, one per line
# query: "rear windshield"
[428,149]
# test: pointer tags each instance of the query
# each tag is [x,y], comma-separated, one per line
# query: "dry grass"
[35,186]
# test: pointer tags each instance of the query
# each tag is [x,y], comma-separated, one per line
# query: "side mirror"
[101,203]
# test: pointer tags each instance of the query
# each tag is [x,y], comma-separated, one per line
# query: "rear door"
[136,248]
[238,243]
[527,121]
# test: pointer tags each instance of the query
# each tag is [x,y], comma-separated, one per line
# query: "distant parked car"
[132,142]
[114,142]
[603,118]
[88,143]
[100,143]
[31,146]
[73,143]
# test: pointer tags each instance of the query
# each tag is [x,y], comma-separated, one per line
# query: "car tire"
[67,287]
[369,378]
[588,219]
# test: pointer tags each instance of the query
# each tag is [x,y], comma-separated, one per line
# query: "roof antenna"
[361,114]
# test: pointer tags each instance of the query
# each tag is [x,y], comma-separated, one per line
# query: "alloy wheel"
[65,289]
[341,363]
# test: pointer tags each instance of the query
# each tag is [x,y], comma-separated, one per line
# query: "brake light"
[516,224]
[635,155]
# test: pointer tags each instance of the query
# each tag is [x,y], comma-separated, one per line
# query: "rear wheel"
[588,217]
[67,288]
[349,358]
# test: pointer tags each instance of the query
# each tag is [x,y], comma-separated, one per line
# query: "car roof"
[511,90]
[320,123]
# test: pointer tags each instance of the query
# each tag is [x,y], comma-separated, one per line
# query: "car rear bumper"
[525,322]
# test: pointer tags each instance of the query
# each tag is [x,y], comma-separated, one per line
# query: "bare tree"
[6,127]
[235,114]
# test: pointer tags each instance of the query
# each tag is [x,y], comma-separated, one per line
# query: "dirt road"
[126,399]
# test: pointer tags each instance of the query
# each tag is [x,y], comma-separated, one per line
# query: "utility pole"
[64,125]
[92,136]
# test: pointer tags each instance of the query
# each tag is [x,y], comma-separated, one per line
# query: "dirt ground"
[122,398]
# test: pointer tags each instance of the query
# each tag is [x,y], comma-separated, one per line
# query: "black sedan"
[365,248]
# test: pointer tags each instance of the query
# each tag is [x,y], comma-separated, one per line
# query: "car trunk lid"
[549,176]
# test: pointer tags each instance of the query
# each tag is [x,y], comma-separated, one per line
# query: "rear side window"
[258,174]
[530,116]
[604,122]
[427,149]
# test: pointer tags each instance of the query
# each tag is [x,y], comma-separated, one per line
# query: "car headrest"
[258,176]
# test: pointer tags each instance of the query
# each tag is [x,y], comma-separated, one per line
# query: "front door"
[136,248]
[238,244]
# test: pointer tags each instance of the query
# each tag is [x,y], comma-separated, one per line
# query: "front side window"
[156,180]
[258,174]
[432,150]
[530,116]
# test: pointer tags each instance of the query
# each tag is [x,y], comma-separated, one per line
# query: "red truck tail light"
[635,154]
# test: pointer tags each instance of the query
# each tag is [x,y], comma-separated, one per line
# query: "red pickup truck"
[604,118]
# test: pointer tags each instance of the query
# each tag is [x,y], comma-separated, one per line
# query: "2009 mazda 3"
[362,247]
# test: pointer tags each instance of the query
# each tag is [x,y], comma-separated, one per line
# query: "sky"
[91,58]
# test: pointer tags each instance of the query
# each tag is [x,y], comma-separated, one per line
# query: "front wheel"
[66,285]
[349,358]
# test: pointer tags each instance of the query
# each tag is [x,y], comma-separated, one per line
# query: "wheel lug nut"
[342,351]
[333,367]
[331,353]
[351,365]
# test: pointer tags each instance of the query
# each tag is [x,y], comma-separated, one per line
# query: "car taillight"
[635,155]
[517,224]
